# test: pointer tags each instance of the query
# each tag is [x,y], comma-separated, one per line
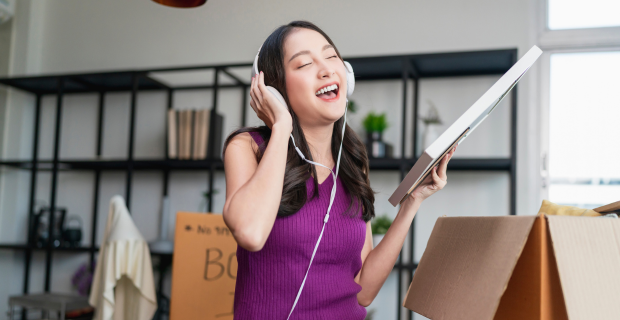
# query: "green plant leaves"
[375,122]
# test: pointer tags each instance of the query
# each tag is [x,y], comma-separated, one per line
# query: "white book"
[463,126]
[172,133]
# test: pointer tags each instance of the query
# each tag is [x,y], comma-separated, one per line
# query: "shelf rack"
[404,67]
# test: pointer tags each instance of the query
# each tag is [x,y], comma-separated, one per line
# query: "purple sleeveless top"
[268,280]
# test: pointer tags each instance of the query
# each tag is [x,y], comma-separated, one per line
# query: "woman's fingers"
[261,83]
[443,167]
[253,106]
[437,181]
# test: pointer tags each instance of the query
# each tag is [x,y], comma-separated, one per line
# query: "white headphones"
[350,87]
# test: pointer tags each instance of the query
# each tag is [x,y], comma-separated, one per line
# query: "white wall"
[84,36]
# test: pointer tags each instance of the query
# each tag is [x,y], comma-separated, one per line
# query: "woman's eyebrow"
[327,46]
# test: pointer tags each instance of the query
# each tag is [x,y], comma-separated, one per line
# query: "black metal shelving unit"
[398,67]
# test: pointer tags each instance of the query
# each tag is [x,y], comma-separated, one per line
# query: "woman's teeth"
[327,89]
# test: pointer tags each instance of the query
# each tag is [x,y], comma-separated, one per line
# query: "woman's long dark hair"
[353,169]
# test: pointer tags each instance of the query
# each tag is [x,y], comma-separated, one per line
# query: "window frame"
[573,38]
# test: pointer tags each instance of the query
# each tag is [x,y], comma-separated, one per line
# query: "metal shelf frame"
[404,67]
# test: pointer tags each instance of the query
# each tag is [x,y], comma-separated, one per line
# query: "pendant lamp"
[181,3]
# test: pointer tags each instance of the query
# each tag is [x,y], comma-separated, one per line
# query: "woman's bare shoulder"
[241,147]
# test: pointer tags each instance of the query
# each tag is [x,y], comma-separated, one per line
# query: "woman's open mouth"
[328,93]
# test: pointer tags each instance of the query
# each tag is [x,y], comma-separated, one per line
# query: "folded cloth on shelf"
[552,209]
[123,287]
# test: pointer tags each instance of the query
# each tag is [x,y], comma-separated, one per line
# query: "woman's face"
[311,65]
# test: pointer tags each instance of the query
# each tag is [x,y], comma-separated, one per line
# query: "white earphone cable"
[331,201]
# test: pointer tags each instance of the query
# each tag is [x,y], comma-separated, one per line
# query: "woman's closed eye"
[334,56]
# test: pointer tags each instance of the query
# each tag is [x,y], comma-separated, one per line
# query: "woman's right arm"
[254,190]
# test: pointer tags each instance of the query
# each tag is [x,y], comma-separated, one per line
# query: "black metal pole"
[416,87]
[132,121]
[51,234]
[169,95]
[93,234]
[513,152]
[33,187]
[164,261]
[211,138]
[244,102]
[403,159]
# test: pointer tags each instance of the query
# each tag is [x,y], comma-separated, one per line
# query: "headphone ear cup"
[350,79]
[277,94]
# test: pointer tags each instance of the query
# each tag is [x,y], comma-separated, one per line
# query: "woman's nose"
[325,71]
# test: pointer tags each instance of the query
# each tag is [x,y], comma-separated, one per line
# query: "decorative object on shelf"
[72,232]
[375,124]
[181,3]
[82,279]
[380,226]
[40,227]
[431,121]
[163,244]
[188,133]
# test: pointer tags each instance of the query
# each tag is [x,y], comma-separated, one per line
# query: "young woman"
[276,202]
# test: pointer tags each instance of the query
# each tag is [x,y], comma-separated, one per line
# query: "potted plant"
[375,124]
[380,226]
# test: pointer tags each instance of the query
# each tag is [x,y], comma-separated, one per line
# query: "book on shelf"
[188,133]
[172,133]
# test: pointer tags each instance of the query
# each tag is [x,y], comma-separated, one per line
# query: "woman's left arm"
[377,263]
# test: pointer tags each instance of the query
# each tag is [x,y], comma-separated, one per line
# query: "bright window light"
[576,14]
[584,130]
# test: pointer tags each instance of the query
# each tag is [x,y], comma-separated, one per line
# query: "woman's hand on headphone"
[266,105]
[434,181]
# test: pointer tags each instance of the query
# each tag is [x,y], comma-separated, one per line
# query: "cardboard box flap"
[612,207]
[587,252]
[466,266]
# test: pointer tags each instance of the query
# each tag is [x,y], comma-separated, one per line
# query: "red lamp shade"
[181,3]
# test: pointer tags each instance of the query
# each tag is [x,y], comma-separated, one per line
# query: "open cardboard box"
[519,267]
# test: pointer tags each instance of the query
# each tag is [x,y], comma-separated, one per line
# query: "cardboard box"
[204,268]
[519,267]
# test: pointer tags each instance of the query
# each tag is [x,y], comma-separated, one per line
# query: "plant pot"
[374,136]
[377,148]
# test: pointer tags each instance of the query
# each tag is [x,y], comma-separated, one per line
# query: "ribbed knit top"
[268,280]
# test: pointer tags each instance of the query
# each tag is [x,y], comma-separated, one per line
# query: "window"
[580,102]
[584,136]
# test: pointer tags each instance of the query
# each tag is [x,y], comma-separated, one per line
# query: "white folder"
[463,126]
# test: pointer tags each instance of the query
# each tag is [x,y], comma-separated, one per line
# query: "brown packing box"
[519,267]
[204,268]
